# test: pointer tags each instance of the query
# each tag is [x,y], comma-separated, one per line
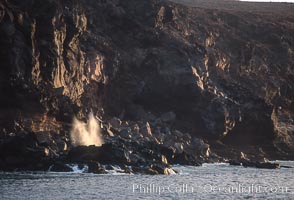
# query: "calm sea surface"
[211,181]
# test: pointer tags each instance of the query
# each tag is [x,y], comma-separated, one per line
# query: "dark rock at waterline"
[137,169]
[22,152]
[186,159]
[60,167]
[120,151]
[96,168]
[28,151]
[167,152]
[235,163]
[18,145]
[84,153]
[268,165]
[150,171]
[153,169]
[261,165]
[107,153]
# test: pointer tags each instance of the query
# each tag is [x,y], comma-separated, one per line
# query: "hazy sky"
[271,0]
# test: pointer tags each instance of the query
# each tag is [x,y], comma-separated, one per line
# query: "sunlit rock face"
[227,75]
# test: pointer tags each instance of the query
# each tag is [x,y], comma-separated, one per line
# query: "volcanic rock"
[218,71]
[60,167]
[96,168]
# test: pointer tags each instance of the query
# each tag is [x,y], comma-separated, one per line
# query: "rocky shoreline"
[135,147]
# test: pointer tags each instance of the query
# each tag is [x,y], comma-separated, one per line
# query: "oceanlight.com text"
[208,188]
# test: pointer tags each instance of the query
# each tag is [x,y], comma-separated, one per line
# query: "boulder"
[60,167]
[96,168]
[44,138]
[261,165]
[115,122]
[185,159]
[267,165]
[247,163]
[85,153]
[161,169]
[108,153]
[150,171]
[234,162]
[126,132]
[201,146]
[167,152]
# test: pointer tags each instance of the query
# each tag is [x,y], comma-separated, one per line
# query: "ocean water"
[211,181]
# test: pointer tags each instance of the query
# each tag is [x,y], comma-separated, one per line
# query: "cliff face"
[227,74]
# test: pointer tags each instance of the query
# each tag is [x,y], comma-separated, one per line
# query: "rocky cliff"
[221,73]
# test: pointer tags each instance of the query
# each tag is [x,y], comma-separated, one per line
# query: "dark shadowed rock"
[267,165]
[108,154]
[44,138]
[126,133]
[150,171]
[84,153]
[185,159]
[60,167]
[115,123]
[235,162]
[96,168]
